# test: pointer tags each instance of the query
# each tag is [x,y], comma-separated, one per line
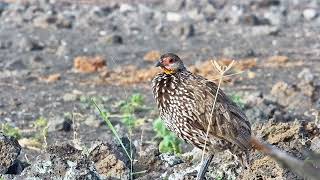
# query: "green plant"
[170,142]
[238,100]
[128,109]
[135,101]
[41,128]
[9,130]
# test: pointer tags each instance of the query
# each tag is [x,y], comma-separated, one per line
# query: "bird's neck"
[172,72]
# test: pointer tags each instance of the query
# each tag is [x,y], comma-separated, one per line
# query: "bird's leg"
[204,167]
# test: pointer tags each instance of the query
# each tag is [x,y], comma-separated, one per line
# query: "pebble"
[27,44]
[171,159]
[310,14]
[60,124]
[306,75]
[172,16]
[69,97]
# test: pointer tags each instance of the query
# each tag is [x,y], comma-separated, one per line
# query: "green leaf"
[170,142]
[238,100]
[11,131]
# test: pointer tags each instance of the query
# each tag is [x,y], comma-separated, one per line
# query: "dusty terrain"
[56,55]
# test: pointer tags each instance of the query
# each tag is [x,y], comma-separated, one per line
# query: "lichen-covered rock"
[9,151]
[61,162]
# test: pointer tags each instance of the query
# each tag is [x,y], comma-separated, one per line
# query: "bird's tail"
[301,168]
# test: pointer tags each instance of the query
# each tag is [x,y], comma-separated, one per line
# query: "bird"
[200,113]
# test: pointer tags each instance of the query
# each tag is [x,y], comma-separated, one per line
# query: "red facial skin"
[166,63]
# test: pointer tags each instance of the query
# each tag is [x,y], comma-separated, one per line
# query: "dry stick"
[221,71]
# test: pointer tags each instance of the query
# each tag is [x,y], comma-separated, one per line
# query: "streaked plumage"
[185,103]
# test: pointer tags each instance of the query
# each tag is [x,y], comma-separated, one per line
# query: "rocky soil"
[56,54]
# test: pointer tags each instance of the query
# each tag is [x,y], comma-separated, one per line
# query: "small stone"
[60,124]
[9,152]
[125,8]
[69,97]
[3,6]
[310,14]
[315,145]
[61,161]
[174,5]
[253,20]
[15,65]
[27,44]
[184,30]
[113,39]
[44,21]
[306,75]
[275,16]
[172,16]
[64,21]
[171,159]
[5,44]
[265,30]
[92,121]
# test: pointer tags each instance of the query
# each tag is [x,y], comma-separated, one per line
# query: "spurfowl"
[186,105]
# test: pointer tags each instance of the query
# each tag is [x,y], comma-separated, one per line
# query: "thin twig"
[222,72]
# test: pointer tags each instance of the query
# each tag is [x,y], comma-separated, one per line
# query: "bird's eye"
[170,60]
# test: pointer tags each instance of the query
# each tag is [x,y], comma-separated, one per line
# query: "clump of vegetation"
[238,100]
[41,128]
[170,142]
[9,130]
[128,109]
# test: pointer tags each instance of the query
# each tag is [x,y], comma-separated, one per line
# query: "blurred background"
[58,55]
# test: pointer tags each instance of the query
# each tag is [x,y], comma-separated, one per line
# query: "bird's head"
[170,63]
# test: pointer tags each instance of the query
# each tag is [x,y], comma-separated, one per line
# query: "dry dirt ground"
[56,55]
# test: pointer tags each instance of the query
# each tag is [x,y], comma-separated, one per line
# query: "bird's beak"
[158,63]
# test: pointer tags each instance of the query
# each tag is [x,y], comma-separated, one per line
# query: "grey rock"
[171,159]
[294,17]
[3,6]
[306,75]
[125,8]
[69,97]
[112,39]
[315,145]
[60,124]
[253,20]
[92,121]
[64,21]
[5,44]
[27,44]
[173,16]
[9,152]
[16,64]
[61,162]
[275,16]
[310,14]
[233,52]
[184,31]
[288,96]
[103,10]
[174,5]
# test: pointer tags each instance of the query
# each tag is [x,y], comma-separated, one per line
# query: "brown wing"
[227,120]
